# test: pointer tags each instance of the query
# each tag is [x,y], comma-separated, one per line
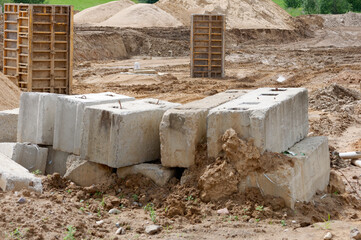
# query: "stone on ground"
[156,172]
[9,125]
[14,177]
[153,229]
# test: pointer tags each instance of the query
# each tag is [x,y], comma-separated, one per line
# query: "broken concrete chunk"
[159,174]
[184,127]
[56,162]
[14,177]
[85,173]
[9,125]
[36,118]
[69,118]
[30,156]
[120,136]
[275,118]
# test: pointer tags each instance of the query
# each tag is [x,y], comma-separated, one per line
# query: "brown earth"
[9,94]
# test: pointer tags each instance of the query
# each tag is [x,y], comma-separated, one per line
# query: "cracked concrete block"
[184,127]
[9,125]
[56,162]
[36,118]
[275,118]
[156,172]
[119,137]
[85,173]
[310,173]
[69,118]
[14,177]
[30,156]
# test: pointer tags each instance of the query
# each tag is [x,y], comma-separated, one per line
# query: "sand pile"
[9,94]
[142,15]
[100,13]
[243,14]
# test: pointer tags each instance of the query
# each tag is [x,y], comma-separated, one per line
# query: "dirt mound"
[243,14]
[9,94]
[101,12]
[141,16]
[349,19]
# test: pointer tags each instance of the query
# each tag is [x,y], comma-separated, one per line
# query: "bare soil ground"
[317,58]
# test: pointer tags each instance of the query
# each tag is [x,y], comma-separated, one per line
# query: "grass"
[79,4]
[292,11]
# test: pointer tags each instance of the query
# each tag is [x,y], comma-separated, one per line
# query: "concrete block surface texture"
[85,173]
[56,162]
[310,173]
[36,118]
[69,118]
[14,177]
[30,156]
[156,172]
[275,118]
[184,127]
[9,125]
[125,136]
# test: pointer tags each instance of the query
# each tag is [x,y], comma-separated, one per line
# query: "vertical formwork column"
[71,50]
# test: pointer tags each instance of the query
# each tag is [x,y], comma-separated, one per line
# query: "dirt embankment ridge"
[9,94]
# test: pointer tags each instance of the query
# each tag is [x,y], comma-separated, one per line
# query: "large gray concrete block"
[9,125]
[275,118]
[310,173]
[56,162]
[69,117]
[36,118]
[14,177]
[184,127]
[120,137]
[85,173]
[156,172]
[30,156]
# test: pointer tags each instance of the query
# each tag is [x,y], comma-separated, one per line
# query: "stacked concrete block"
[183,128]
[275,118]
[14,177]
[9,125]
[36,118]
[309,174]
[156,172]
[69,117]
[30,156]
[56,162]
[125,135]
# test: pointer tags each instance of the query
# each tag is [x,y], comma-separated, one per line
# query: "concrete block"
[159,174]
[36,118]
[310,173]
[69,117]
[85,173]
[275,118]
[184,127]
[56,162]
[126,136]
[30,156]
[14,177]
[9,125]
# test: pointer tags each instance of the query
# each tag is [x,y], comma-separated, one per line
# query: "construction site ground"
[322,57]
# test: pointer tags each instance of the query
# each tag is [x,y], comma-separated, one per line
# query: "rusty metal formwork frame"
[38,47]
[208,45]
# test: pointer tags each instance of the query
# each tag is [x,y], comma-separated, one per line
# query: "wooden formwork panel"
[207,45]
[38,55]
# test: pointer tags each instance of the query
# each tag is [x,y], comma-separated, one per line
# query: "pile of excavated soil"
[243,14]
[349,19]
[9,94]
[100,13]
[141,16]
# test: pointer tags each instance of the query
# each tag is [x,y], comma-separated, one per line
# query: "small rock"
[153,229]
[114,211]
[100,222]
[328,236]
[252,220]
[223,211]
[117,225]
[21,200]
[120,231]
[294,221]
[355,234]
